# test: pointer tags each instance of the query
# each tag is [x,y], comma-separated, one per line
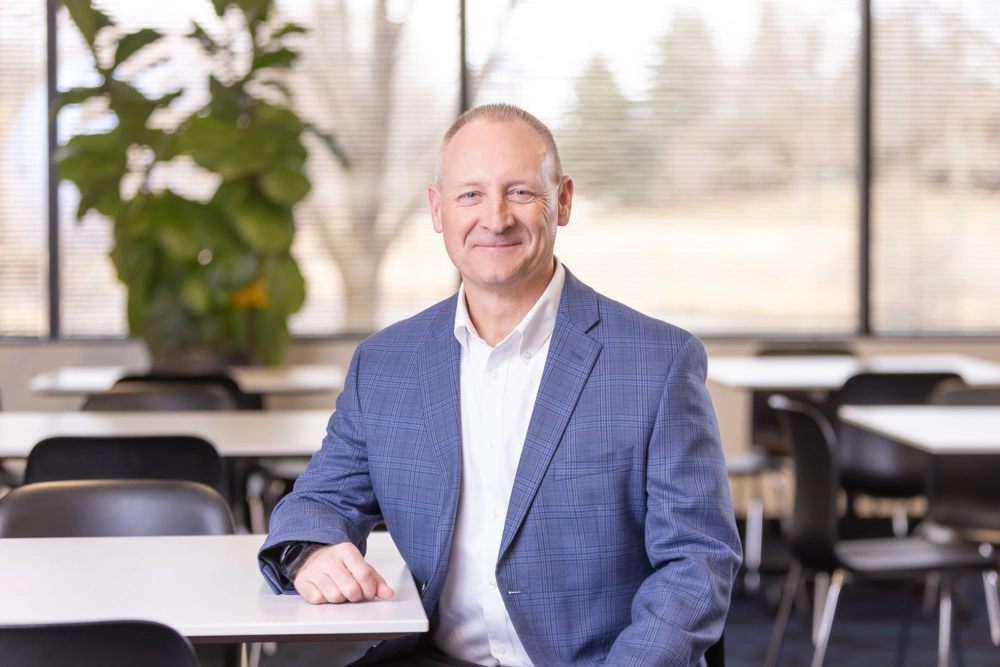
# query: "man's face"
[497,209]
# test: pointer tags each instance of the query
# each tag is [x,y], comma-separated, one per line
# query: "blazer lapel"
[572,355]
[438,370]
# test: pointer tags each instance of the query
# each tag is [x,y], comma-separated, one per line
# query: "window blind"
[23,170]
[936,194]
[713,148]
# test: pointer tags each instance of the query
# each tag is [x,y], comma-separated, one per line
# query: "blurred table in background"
[83,380]
[241,433]
[829,372]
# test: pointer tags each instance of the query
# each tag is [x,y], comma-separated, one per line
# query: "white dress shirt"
[498,389]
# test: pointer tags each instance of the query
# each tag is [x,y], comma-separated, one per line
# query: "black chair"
[872,464]
[114,508]
[769,453]
[813,536]
[167,392]
[177,457]
[715,656]
[100,644]
[120,508]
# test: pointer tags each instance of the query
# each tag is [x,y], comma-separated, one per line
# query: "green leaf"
[284,185]
[331,143]
[263,225]
[231,267]
[208,140]
[280,58]
[255,10]
[175,229]
[288,30]
[203,38]
[79,95]
[272,117]
[285,284]
[229,197]
[104,196]
[221,5]
[87,19]
[195,295]
[131,43]
[249,155]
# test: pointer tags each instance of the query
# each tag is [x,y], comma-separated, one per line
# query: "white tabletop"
[207,587]
[832,371]
[251,433]
[76,380]
[937,429]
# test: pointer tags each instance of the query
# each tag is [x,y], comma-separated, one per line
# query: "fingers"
[339,574]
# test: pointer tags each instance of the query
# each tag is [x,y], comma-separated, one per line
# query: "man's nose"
[498,218]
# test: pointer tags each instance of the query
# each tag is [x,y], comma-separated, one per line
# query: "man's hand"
[339,573]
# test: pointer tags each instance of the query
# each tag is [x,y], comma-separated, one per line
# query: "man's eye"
[521,194]
[469,195]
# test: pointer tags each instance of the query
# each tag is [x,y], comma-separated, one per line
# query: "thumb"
[383,591]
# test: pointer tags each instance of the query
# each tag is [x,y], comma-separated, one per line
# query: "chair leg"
[992,605]
[931,584]
[821,585]
[944,622]
[754,538]
[784,610]
[830,608]
[254,659]
[900,521]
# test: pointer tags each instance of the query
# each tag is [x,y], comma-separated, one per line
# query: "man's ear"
[434,199]
[565,200]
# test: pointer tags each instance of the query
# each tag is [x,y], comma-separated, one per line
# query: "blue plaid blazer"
[620,546]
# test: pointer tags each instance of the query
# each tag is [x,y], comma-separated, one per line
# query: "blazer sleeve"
[691,540]
[333,500]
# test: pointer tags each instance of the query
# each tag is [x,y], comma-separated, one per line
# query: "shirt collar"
[534,329]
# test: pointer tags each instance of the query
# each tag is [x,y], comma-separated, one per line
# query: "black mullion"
[51,10]
[463,67]
[865,170]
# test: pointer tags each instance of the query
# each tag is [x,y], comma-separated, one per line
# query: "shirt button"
[492,444]
[496,515]
[493,584]
[502,648]
[494,375]
[526,355]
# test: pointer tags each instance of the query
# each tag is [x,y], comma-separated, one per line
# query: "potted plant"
[201,275]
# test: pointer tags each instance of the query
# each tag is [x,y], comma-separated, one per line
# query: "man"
[546,459]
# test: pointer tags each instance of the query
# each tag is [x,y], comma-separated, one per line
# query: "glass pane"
[23,170]
[936,199]
[713,147]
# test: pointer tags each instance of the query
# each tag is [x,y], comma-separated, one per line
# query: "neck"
[496,312]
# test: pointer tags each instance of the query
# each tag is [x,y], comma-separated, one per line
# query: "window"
[936,195]
[23,177]
[713,145]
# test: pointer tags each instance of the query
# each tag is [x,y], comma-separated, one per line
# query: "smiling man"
[546,459]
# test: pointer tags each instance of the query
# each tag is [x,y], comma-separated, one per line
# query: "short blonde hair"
[504,113]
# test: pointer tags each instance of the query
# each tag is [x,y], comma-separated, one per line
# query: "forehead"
[492,147]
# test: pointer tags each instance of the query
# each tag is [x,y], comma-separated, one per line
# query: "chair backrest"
[100,644]
[813,533]
[114,508]
[178,457]
[890,388]
[764,426]
[166,392]
[871,463]
[966,396]
[715,656]
[962,491]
